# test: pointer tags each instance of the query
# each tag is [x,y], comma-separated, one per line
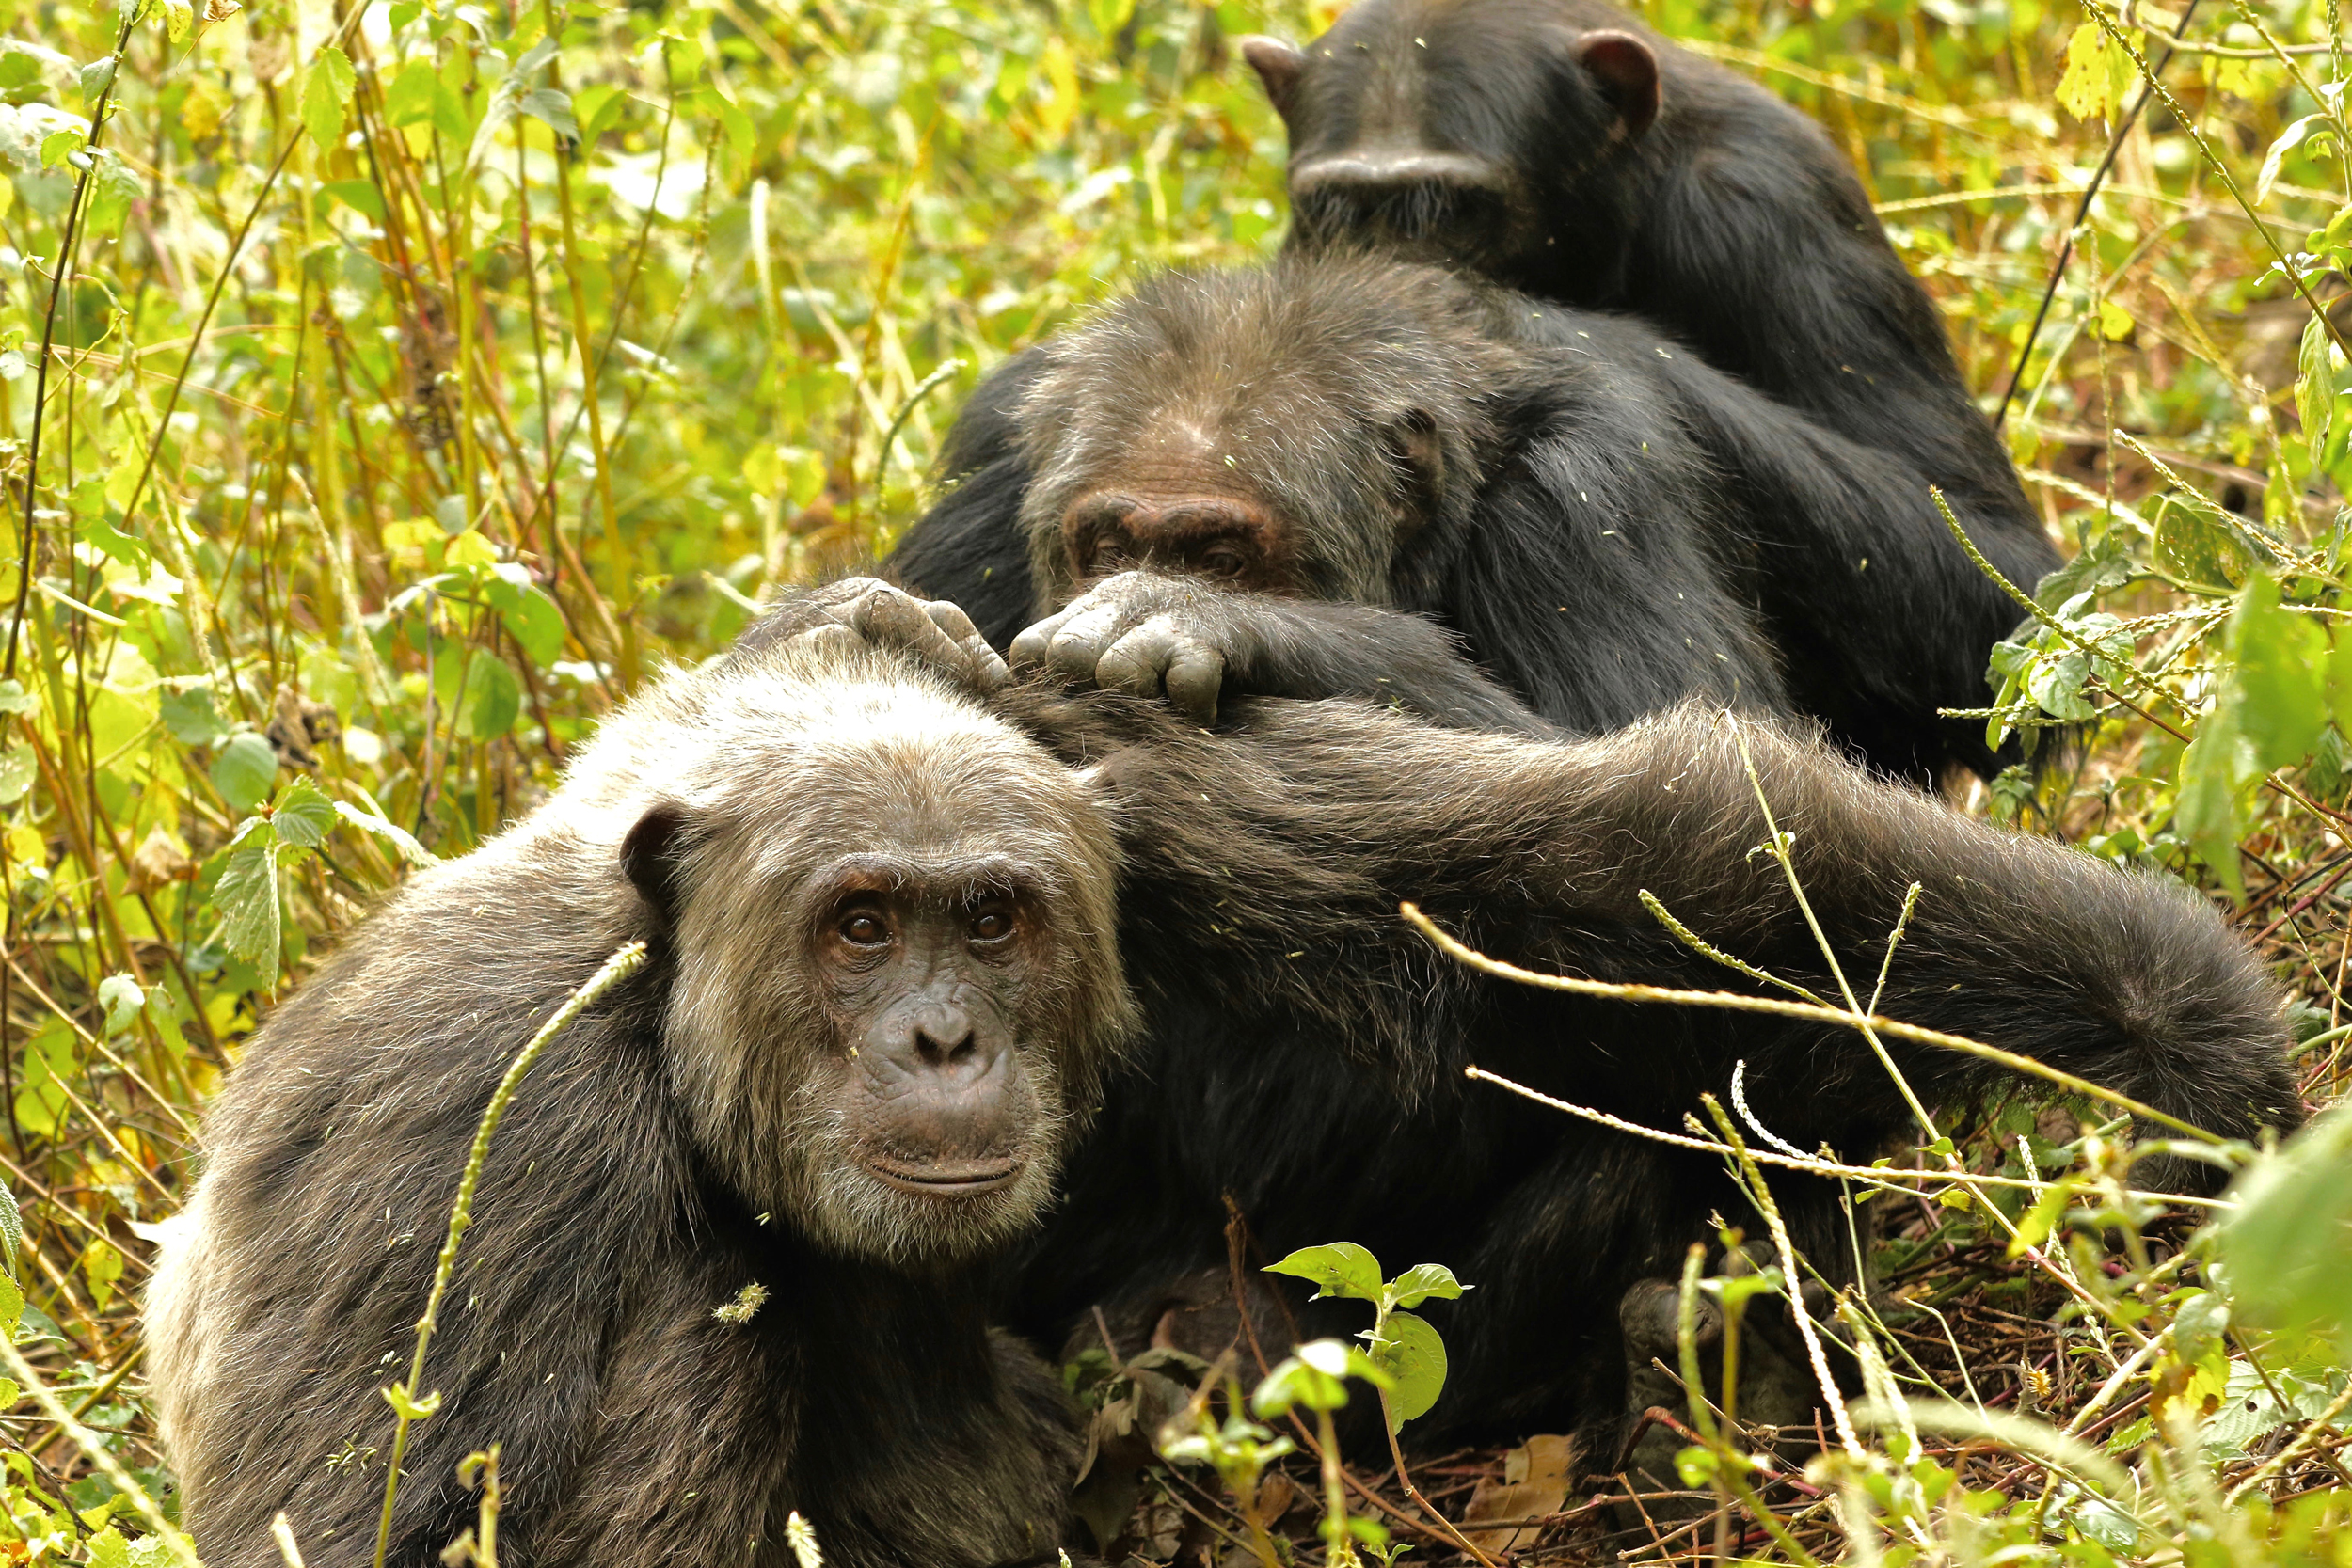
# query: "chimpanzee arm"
[1302,826]
[1145,633]
[967,548]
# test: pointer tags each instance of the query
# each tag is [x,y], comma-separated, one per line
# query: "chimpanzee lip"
[955,1179]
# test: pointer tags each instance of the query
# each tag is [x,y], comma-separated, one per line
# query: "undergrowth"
[385,389]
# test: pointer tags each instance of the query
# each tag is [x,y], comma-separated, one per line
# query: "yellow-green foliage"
[385,389]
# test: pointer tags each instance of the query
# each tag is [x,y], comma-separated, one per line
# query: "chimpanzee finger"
[830,638]
[1079,645]
[892,618]
[1196,672]
[985,665]
[1135,663]
[1034,646]
[840,594]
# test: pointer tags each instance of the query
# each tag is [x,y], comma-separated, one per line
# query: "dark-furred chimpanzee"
[1302,1048]
[1561,148]
[723,1252]
[1608,523]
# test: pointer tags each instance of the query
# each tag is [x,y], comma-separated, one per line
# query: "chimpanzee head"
[1492,134]
[1300,430]
[896,978]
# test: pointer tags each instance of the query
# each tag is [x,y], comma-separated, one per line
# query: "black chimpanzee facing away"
[1565,149]
[1608,523]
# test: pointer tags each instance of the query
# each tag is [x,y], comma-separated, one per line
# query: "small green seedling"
[1403,1346]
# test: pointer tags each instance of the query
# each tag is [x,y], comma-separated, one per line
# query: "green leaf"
[2082,89]
[191,717]
[2282,1249]
[1410,1351]
[409,99]
[121,997]
[536,626]
[2275,160]
[2209,806]
[11,1232]
[416,1410]
[246,896]
[491,699]
[96,77]
[1419,1283]
[552,107]
[2315,384]
[398,837]
[1315,1377]
[1341,1268]
[15,699]
[2199,547]
[56,147]
[244,771]
[11,1305]
[304,815]
[2199,1326]
[2280,684]
[18,770]
[325,89]
[179,16]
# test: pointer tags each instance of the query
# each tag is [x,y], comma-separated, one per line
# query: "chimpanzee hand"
[868,611]
[1145,633]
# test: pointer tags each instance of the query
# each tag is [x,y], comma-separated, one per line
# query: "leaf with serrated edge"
[246,896]
[303,815]
[1340,1269]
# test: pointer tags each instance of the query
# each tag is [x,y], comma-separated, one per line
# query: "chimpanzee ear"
[1277,65]
[1627,71]
[653,853]
[1412,444]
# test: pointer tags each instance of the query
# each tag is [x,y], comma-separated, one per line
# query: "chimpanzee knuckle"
[988,667]
[1136,661]
[1195,674]
[847,590]
[948,616]
[831,639]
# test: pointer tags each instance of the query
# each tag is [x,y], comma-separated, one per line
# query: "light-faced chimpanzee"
[1302,1050]
[881,993]
[1608,524]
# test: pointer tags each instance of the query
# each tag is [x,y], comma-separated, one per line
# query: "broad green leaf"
[536,624]
[1410,1351]
[2197,547]
[2199,1325]
[246,896]
[121,997]
[1419,1283]
[469,548]
[244,771]
[18,770]
[409,99]
[2209,806]
[11,1233]
[12,1304]
[325,91]
[191,717]
[1340,1269]
[304,815]
[15,699]
[1315,1377]
[2282,1248]
[2278,687]
[491,699]
[555,108]
[108,1549]
[179,16]
[56,147]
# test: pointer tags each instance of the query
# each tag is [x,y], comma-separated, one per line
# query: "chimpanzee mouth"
[950,1179]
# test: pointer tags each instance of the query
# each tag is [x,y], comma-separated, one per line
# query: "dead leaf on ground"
[1534,1482]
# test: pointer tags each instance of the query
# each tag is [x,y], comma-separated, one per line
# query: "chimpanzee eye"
[865,931]
[1223,563]
[991,925]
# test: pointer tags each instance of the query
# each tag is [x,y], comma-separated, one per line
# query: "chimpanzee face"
[1293,435]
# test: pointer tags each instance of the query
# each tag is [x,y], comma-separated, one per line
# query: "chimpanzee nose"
[1370,170]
